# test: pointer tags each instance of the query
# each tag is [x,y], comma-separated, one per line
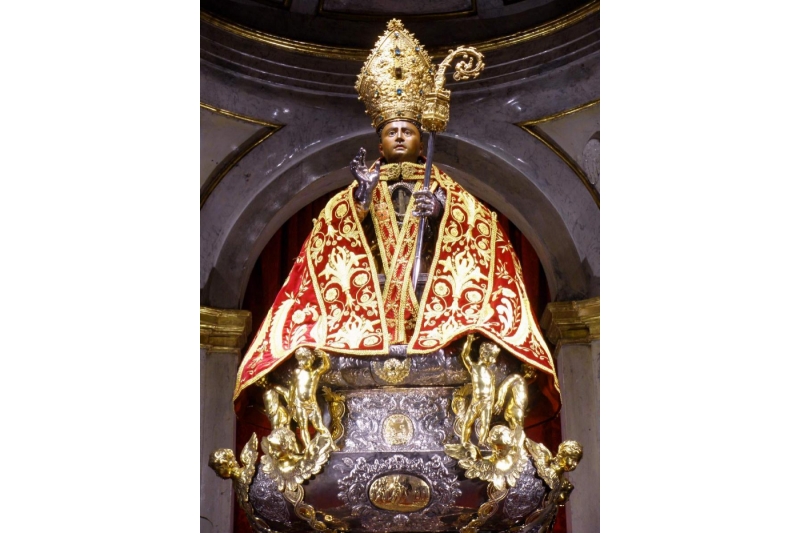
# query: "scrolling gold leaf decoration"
[336,406]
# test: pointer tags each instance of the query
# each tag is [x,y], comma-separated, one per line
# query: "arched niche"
[479,171]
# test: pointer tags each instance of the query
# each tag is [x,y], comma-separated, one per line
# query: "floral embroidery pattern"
[332,299]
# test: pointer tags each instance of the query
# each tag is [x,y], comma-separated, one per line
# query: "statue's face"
[305,357]
[501,438]
[567,463]
[488,353]
[400,142]
[223,462]
[569,454]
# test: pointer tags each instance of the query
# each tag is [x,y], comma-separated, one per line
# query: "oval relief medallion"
[400,492]
[397,429]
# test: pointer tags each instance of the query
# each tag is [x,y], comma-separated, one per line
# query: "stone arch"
[478,170]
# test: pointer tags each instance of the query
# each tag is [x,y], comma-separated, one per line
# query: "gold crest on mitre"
[399,82]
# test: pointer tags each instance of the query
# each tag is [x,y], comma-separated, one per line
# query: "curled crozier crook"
[470,66]
[437,101]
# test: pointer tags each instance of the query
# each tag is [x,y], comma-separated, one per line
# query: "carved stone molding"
[572,322]
[224,330]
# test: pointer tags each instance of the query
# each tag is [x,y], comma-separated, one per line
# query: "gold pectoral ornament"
[509,450]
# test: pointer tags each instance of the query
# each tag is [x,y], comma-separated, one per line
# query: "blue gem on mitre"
[397,51]
[399,92]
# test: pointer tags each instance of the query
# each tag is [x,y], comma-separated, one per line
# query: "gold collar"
[405,171]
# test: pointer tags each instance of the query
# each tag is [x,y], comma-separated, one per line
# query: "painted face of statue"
[400,142]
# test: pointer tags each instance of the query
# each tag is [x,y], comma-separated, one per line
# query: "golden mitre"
[397,75]
[398,80]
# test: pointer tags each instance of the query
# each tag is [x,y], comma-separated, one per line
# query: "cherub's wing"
[315,457]
[516,469]
[249,458]
[541,460]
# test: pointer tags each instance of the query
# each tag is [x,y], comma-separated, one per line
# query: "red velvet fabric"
[274,264]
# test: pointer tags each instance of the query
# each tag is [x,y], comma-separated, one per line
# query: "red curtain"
[274,264]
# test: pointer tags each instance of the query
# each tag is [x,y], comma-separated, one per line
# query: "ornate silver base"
[348,490]
[393,459]
[391,472]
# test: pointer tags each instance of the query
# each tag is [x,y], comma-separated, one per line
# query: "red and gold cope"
[332,300]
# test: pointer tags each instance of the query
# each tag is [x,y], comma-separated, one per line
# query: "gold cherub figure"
[283,459]
[303,392]
[514,386]
[223,462]
[507,457]
[278,415]
[479,411]
[551,468]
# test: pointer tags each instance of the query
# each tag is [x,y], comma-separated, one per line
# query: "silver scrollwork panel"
[369,425]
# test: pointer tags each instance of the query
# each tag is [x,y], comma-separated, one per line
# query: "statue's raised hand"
[367,179]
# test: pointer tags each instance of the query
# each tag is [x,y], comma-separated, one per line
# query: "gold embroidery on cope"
[344,280]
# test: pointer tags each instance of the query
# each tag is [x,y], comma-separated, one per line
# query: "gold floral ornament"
[336,406]
[399,82]
[392,371]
